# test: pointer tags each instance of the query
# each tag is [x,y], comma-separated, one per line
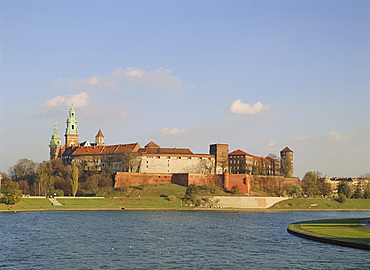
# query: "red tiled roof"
[151,145]
[286,149]
[165,151]
[239,153]
[104,149]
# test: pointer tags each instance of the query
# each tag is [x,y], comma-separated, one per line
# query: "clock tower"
[71,134]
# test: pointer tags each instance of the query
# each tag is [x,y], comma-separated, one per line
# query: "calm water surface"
[168,240]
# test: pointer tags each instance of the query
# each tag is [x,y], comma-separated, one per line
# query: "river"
[169,240]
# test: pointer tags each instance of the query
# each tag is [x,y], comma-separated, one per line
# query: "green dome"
[55,138]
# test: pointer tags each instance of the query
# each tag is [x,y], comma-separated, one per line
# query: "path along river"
[169,240]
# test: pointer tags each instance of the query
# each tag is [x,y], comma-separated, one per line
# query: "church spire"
[55,138]
[55,144]
[71,134]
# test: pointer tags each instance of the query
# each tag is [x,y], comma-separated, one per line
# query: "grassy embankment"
[157,197]
[334,231]
[149,197]
[322,204]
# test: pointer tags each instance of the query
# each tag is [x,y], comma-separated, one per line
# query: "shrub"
[171,198]
[342,198]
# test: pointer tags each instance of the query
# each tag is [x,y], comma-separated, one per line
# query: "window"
[73,126]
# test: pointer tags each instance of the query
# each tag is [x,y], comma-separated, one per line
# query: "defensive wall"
[244,182]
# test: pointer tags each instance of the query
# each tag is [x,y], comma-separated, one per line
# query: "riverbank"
[163,203]
[353,233]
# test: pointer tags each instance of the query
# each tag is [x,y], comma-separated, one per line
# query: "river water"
[168,240]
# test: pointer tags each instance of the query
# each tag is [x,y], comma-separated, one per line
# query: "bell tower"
[99,138]
[55,144]
[71,134]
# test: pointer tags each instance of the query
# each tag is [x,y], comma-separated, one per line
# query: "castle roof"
[239,153]
[100,134]
[103,149]
[286,149]
[152,145]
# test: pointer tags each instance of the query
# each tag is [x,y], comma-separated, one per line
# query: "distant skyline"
[257,75]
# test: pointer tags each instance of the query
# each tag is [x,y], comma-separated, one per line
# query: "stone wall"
[135,179]
[244,182]
[273,184]
[248,202]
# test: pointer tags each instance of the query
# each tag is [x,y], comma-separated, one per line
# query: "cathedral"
[154,159]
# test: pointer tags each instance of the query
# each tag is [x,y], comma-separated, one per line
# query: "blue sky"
[257,75]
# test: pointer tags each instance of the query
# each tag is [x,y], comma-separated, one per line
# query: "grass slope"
[321,204]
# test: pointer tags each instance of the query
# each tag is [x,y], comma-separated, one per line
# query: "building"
[241,162]
[154,159]
[131,157]
[286,159]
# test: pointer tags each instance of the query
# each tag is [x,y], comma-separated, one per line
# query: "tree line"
[50,178]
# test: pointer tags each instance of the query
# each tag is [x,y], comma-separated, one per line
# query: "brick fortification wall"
[136,179]
[272,183]
[227,181]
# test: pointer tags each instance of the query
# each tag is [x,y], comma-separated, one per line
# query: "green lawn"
[29,204]
[322,204]
[347,230]
[148,197]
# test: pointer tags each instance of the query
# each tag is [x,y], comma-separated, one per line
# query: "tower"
[286,162]
[99,138]
[55,144]
[221,152]
[71,134]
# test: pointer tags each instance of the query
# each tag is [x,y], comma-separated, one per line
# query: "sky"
[256,75]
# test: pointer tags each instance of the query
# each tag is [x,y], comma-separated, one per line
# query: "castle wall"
[176,164]
[273,183]
[135,179]
[244,182]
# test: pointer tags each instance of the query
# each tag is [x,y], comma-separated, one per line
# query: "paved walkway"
[55,202]
[365,222]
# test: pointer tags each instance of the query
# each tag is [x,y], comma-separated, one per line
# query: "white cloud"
[120,78]
[331,137]
[271,143]
[171,131]
[78,100]
[239,107]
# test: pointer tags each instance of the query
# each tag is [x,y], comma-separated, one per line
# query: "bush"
[59,192]
[342,198]
[171,198]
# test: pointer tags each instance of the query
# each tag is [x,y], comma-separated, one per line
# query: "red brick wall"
[180,179]
[244,181]
[136,179]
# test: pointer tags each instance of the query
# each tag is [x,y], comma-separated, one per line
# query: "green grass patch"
[347,230]
[322,204]
[29,204]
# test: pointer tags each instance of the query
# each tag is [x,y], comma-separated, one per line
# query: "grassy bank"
[321,204]
[168,196]
[334,231]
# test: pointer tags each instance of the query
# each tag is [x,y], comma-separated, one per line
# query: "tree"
[324,188]
[74,179]
[24,169]
[293,191]
[358,193]
[10,192]
[44,178]
[344,188]
[191,192]
[309,183]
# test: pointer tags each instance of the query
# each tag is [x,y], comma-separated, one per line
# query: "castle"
[153,159]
